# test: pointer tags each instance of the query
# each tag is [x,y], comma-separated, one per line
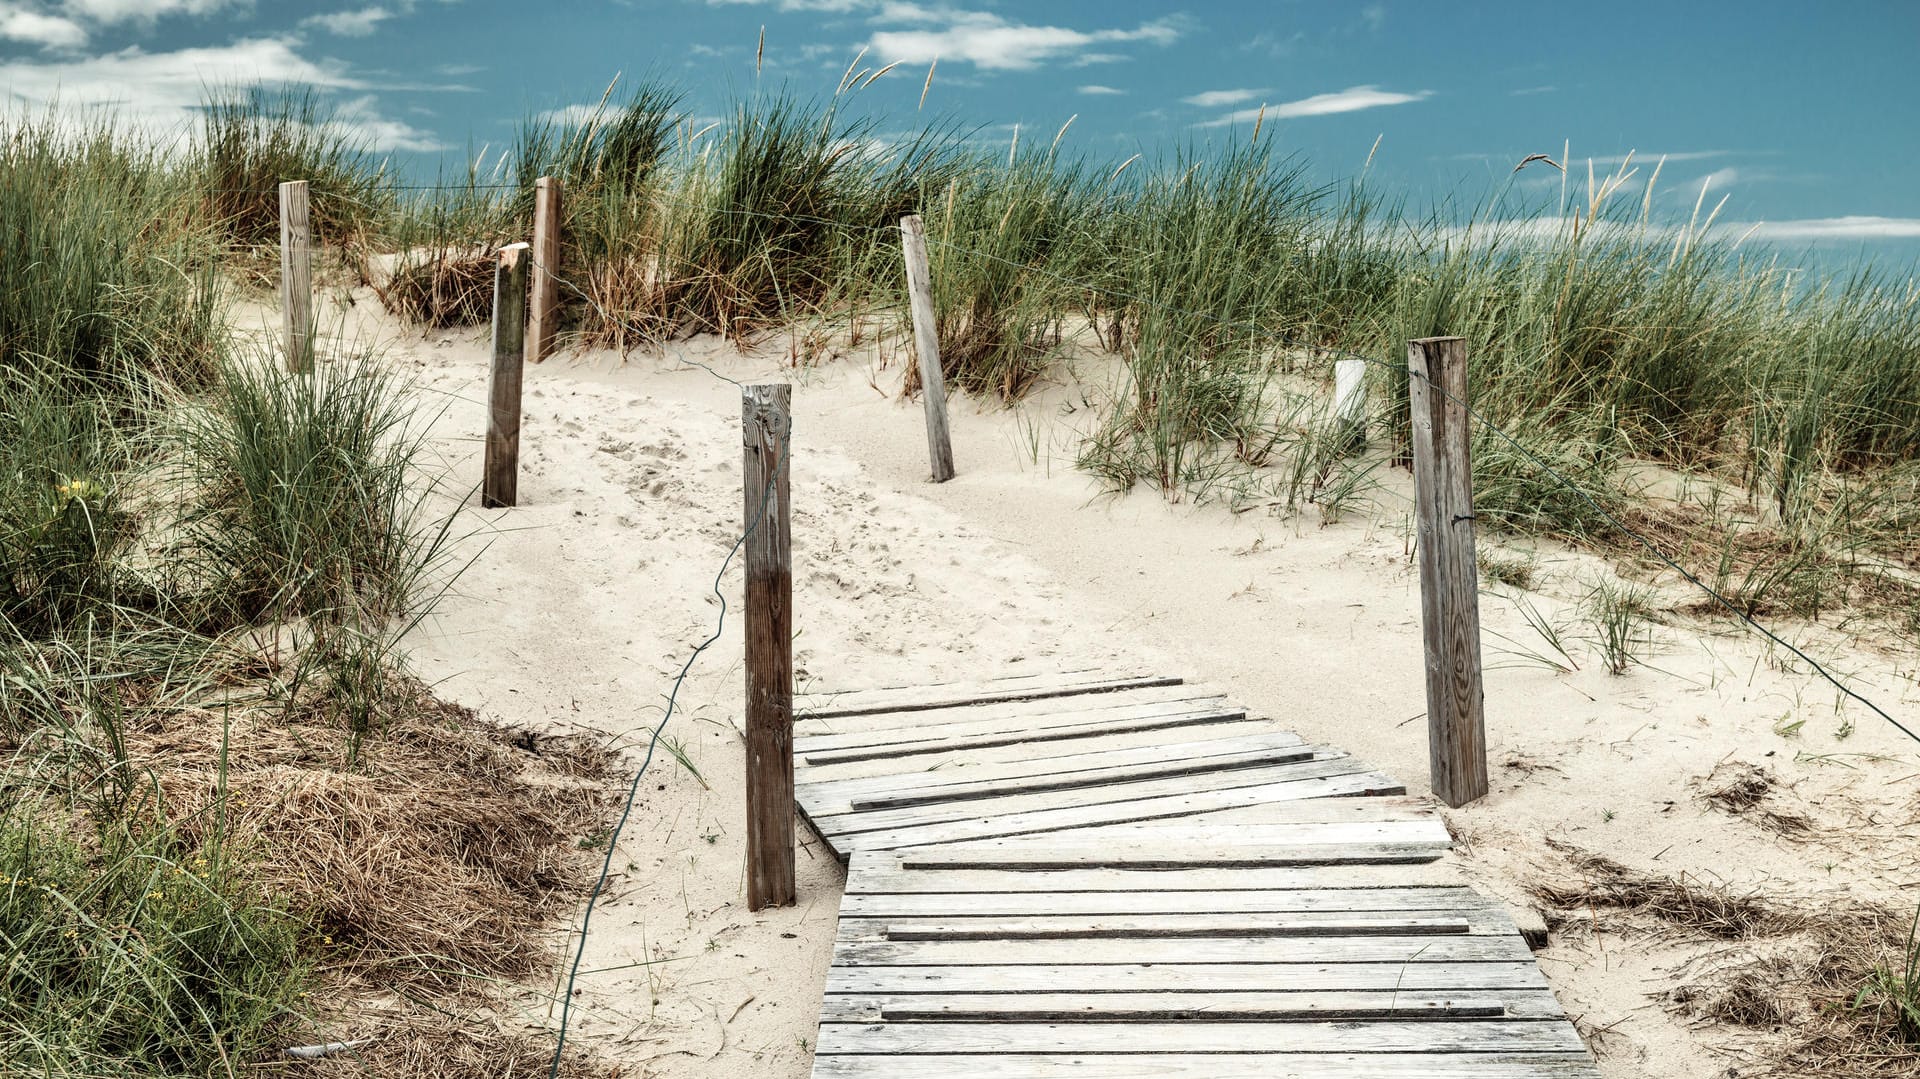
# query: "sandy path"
[580,605]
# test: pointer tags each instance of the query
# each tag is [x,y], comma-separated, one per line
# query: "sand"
[579,607]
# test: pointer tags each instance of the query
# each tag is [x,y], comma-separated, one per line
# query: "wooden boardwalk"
[1107,875]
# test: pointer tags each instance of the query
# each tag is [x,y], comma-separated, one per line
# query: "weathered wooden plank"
[1230,977]
[1255,1006]
[1010,730]
[1466,1036]
[1350,885]
[1411,950]
[1045,706]
[767,436]
[1097,904]
[1237,924]
[1020,688]
[1212,1066]
[1031,753]
[1335,784]
[1120,789]
[926,346]
[966,780]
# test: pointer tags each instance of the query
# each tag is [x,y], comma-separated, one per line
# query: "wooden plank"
[1229,977]
[983,722]
[1472,1036]
[1094,904]
[500,479]
[296,276]
[1257,1006]
[1251,924]
[1449,575]
[1249,760]
[918,698]
[767,442]
[935,765]
[1351,882]
[940,953]
[1213,1066]
[961,780]
[1039,735]
[543,313]
[1045,706]
[926,346]
[1317,761]
[1336,783]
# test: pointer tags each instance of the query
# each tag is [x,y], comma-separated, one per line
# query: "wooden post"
[1350,405]
[546,259]
[296,276]
[766,429]
[1449,578]
[500,483]
[926,345]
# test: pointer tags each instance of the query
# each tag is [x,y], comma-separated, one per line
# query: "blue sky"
[1805,115]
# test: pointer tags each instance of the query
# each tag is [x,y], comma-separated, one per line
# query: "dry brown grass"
[442,289]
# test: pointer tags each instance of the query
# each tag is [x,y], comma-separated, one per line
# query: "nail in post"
[546,259]
[926,345]
[1449,577]
[766,428]
[296,276]
[500,483]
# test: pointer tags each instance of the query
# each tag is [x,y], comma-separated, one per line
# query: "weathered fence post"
[296,276]
[1350,405]
[1449,577]
[926,345]
[500,482]
[766,428]
[546,260]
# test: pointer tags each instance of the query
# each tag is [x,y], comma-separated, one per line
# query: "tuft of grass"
[254,139]
[1619,615]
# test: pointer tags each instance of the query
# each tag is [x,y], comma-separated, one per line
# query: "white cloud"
[1213,99]
[1097,90]
[18,23]
[357,23]
[988,41]
[166,89]
[1850,227]
[118,11]
[1350,100]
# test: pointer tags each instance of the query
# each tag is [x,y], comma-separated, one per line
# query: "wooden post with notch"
[296,276]
[766,429]
[500,482]
[1449,576]
[546,260]
[926,345]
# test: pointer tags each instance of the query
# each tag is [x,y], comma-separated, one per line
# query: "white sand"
[581,605]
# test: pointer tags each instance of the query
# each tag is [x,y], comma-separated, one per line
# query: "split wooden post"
[546,260]
[296,276]
[1449,576]
[500,482]
[766,429]
[926,345]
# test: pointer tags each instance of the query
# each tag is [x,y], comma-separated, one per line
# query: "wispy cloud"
[1214,99]
[1096,90]
[1353,99]
[991,42]
[29,27]
[360,22]
[108,12]
[1531,90]
[1850,227]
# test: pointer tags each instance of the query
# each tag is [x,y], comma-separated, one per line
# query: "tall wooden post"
[296,276]
[500,483]
[926,345]
[1449,578]
[546,261]
[766,429]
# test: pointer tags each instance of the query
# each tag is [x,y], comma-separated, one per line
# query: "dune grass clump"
[254,140]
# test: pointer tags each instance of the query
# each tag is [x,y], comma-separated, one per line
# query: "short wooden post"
[1449,578]
[766,428]
[546,261]
[500,483]
[926,345]
[1350,405]
[296,276]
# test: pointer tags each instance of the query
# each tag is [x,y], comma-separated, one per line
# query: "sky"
[1804,116]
